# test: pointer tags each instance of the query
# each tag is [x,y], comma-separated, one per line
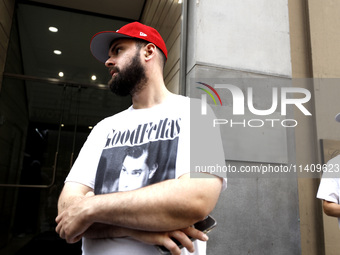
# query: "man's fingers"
[60,229]
[75,239]
[195,234]
[59,226]
[58,218]
[68,238]
[57,229]
[172,246]
[183,239]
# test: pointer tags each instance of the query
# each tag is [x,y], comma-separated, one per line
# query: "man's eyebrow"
[114,44]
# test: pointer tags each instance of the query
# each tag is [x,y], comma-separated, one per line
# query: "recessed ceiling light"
[93,77]
[57,52]
[61,74]
[53,29]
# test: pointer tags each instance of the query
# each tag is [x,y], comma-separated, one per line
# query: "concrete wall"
[305,134]
[248,40]
[315,53]
[324,23]
[241,35]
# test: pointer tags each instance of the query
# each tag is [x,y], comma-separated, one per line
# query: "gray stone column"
[230,41]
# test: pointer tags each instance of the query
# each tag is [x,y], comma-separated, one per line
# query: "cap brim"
[337,117]
[100,44]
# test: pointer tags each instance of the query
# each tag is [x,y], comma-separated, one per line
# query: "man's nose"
[109,62]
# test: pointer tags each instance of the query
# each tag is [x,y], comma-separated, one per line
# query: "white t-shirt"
[135,148]
[329,188]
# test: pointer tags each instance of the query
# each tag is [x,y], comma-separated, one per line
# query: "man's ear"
[149,51]
[153,170]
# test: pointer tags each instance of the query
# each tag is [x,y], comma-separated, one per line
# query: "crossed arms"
[152,214]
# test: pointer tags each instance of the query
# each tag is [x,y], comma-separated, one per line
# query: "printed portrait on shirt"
[124,168]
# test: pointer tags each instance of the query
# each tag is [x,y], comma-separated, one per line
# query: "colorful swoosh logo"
[209,93]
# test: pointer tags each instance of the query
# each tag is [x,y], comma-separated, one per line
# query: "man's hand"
[72,222]
[165,238]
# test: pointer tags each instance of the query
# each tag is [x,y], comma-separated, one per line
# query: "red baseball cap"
[101,42]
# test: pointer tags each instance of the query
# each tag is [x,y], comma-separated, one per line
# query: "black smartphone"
[205,226]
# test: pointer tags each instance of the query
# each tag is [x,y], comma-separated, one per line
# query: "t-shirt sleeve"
[329,188]
[85,167]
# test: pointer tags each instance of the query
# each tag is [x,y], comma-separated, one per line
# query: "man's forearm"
[169,205]
[72,193]
[99,231]
[331,209]
[162,207]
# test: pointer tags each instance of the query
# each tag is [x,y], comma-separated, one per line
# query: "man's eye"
[136,172]
[118,50]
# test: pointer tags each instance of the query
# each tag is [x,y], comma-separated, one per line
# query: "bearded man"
[132,222]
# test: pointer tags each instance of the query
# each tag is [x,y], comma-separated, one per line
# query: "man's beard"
[129,80]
